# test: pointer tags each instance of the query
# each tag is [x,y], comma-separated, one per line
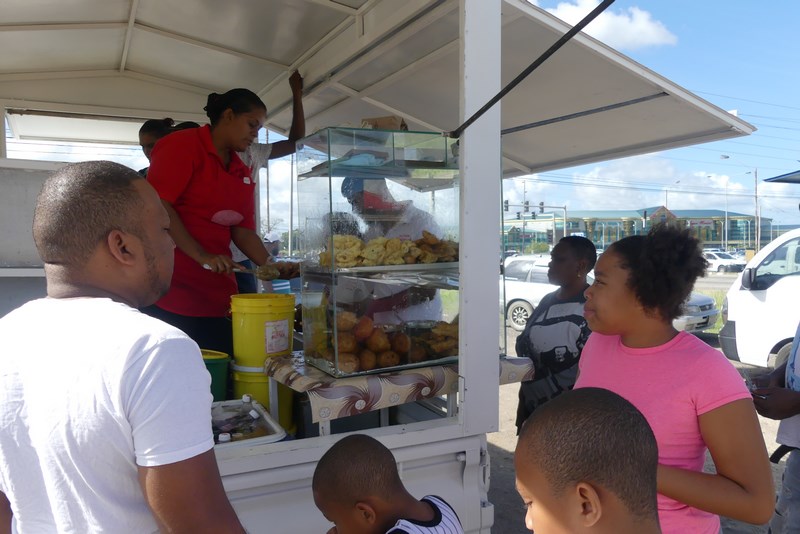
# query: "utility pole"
[758,215]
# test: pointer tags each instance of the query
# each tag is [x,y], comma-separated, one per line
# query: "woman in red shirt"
[209,194]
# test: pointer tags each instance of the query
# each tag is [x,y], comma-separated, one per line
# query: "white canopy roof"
[140,59]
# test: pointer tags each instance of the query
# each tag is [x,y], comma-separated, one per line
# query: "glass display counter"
[379,220]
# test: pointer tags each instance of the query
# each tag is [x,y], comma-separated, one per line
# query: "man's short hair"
[79,205]
[593,435]
[354,468]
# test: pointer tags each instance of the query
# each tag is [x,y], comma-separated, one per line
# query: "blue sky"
[739,55]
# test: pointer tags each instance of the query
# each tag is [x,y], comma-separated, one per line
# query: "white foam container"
[276,432]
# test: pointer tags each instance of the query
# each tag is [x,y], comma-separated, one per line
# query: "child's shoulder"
[445,520]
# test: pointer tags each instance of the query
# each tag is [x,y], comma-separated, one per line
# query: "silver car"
[526,284]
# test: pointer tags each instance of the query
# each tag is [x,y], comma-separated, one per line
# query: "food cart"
[95,69]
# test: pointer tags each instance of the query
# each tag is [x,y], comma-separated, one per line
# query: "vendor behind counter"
[209,194]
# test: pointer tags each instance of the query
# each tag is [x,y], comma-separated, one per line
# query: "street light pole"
[725,230]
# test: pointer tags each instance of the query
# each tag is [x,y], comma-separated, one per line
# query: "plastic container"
[268,431]
[263,326]
[217,365]
[253,382]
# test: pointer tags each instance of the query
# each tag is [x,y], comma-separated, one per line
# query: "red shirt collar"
[236,162]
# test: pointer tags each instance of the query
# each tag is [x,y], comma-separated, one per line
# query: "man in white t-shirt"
[105,413]
[778,397]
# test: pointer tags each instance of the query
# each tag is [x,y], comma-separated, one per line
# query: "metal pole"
[725,230]
[757,232]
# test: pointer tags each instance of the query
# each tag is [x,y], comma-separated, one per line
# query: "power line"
[783,106]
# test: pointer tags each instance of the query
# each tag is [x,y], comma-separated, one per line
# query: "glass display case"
[378,214]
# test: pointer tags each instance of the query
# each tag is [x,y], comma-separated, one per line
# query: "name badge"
[247,180]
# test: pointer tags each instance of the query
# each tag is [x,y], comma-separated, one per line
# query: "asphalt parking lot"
[509,513]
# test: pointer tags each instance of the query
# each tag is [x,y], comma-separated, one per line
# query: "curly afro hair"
[663,267]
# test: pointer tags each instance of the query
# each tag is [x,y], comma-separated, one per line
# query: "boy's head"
[354,482]
[585,461]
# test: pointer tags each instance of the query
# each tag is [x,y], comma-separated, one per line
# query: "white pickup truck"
[761,311]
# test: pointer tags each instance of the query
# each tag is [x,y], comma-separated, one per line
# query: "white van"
[762,308]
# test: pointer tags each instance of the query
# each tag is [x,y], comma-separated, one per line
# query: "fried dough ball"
[363,328]
[388,358]
[401,342]
[378,341]
[368,360]
[345,321]
[346,342]
[417,354]
[348,363]
[328,354]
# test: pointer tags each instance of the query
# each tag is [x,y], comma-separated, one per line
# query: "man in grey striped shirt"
[357,488]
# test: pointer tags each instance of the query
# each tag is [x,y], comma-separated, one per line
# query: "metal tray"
[327,367]
[412,267]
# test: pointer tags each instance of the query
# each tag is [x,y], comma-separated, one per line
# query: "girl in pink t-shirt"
[690,394]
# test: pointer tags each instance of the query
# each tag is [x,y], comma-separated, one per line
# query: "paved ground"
[509,513]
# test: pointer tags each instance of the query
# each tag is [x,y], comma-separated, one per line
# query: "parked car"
[722,262]
[526,284]
[760,309]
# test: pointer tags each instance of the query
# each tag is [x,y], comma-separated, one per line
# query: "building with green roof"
[603,227]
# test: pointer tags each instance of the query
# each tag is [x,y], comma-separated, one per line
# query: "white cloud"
[629,29]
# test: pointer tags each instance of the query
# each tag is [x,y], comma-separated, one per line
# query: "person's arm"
[777,402]
[5,514]
[250,243]
[188,496]
[219,263]
[774,379]
[742,488]
[298,127]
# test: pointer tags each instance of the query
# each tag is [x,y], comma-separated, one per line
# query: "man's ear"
[121,246]
[589,500]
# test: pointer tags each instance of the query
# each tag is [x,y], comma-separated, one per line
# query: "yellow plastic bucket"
[263,327]
[254,382]
[217,365]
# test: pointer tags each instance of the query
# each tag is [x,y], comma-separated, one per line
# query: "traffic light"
[541,207]
[505,205]
[527,206]
[518,215]
[549,236]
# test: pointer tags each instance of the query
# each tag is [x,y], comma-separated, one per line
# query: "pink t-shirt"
[672,385]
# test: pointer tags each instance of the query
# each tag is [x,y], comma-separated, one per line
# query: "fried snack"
[388,358]
[287,269]
[374,252]
[347,250]
[345,321]
[417,353]
[368,360]
[348,363]
[413,254]
[378,341]
[400,342]
[445,329]
[427,256]
[346,342]
[429,238]
[363,328]
[441,347]
[267,272]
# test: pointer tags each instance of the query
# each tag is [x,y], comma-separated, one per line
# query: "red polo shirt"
[187,172]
